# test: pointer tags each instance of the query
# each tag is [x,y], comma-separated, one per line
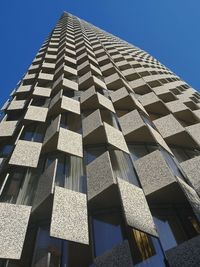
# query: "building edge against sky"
[100,158]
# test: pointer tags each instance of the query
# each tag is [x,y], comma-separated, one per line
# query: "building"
[100,158]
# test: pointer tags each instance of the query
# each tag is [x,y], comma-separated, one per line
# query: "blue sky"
[167,29]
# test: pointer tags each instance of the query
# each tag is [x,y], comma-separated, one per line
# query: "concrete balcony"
[45,76]
[181,111]
[173,132]
[26,154]
[34,113]
[16,105]
[65,84]
[73,206]
[185,254]
[13,225]
[118,256]
[7,128]
[95,131]
[42,91]
[61,103]
[29,77]
[134,128]
[153,104]
[157,179]
[135,207]
[24,89]
[90,99]
[57,138]
[88,80]
[67,70]
[114,81]
[194,132]
[139,86]
[192,169]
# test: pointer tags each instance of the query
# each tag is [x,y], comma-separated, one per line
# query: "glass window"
[146,250]
[33,132]
[107,231]
[137,151]
[6,150]
[179,154]
[123,167]
[94,152]
[175,225]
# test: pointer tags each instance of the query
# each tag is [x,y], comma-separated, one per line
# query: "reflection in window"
[33,132]
[175,225]
[107,231]
[183,154]
[146,250]
[94,152]
[20,185]
[6,150]
[123,167]
[138,151]
[70,171]
[71,122]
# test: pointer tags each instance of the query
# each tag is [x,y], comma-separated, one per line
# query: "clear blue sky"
[167,29]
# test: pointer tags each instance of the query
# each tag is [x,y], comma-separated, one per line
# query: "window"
[175,224]
[5,151]
[123,167]
[107,231]
[71,122]
[33,132]
[138,151]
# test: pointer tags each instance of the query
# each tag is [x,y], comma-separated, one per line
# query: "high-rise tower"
[100,158]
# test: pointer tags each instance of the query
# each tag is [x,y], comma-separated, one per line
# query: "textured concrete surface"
[119,94]
[119,256]
[148,99]
[153,172]
[69,216]
[42,91]
[13,225]
[192,169]
[70,142]
[36,114]
[168,126]
[87,94]
[104,101]
[185,255]
[91,123]
[131,122]
[176,106]
[192,197]
[7,128]
[17,104]
[99,175]
[26,153]
[70,104]
[194,131]
[115,137]
[135,207]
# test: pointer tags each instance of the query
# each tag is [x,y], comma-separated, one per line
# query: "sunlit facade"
[99,158]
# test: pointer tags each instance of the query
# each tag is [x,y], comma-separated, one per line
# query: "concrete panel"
[115,138]
[99,175]
[192,197]
[7,128]
[104,101]
[148,99]
[26,153]
[69,216]
[36,114]
[17,104]
[91,123]
[13,225]
[168,126]
[135,207]
[42,91]
[87,94]
[119,94]
[70,142]
[52,129]
[176,106]
[119,256]
[185,255]
[194,131]
[153,172]
[192,169]
[131,122]
[70,104]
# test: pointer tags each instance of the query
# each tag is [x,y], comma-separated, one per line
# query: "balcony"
[7,128]
[35,113]
[16,105]
[90,99]
[42,91]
